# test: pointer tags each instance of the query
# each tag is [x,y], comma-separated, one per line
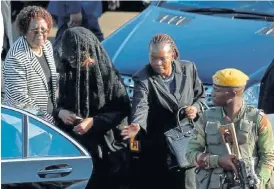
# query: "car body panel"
[250,6]
[34,165]
[207,40]
[68,169]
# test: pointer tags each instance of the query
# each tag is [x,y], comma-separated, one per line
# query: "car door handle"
[55,171]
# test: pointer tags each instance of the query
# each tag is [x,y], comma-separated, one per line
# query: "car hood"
[211,42]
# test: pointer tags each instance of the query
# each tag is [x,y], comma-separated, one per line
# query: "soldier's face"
[220,96]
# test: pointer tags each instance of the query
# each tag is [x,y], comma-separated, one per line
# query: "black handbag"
[177,139]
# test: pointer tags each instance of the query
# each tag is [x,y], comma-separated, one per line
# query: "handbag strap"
[178,119]
[204,107]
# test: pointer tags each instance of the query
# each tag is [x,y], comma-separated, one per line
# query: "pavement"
[109,22]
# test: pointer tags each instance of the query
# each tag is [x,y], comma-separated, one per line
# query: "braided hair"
[166,39]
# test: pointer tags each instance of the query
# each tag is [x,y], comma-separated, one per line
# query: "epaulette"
[254,114]
[261,114]
[251,111]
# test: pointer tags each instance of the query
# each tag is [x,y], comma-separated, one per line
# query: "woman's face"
[37,33]
[161,57]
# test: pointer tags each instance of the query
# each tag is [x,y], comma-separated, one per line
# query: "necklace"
[38,54]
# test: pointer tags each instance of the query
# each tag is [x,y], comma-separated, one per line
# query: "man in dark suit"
[78,13]
[6,13]
[266,97]
[6,40]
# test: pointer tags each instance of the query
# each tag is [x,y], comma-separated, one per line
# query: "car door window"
[43,141]
[11,134]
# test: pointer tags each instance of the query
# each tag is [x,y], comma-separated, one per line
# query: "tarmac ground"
[109,22]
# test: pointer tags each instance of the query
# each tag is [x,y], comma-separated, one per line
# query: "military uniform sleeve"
[196,143]
[265,145]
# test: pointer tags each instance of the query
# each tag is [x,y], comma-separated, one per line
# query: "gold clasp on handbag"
[134,145]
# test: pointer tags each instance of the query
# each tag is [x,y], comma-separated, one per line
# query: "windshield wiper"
[225,11]
[269,19]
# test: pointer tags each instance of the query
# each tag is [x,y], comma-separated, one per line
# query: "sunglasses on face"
[36,31]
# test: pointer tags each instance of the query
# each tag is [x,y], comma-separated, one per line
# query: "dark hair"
[28,13]
[166,39]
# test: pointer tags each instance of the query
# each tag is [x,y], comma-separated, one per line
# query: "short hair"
[166,39]
[29,13]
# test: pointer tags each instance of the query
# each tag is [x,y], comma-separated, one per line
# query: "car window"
[11,134]
[43,141]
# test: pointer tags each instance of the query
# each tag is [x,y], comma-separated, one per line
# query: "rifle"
[246,178]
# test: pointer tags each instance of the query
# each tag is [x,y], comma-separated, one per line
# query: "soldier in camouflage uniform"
[253,130]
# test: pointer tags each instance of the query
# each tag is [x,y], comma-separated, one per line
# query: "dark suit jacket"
[62,9]
[266,97]
[155,109]
[6,13]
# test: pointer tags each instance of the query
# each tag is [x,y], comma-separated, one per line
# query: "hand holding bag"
[178,138]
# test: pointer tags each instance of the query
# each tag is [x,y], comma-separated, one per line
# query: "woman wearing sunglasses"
[29,69]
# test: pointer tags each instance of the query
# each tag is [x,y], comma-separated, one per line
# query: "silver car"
[36,154]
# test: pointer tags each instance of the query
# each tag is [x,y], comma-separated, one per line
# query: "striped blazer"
[25,81]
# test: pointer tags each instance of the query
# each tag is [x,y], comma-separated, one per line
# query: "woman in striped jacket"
[29,70]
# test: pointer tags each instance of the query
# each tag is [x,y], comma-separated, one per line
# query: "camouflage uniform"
[255,138]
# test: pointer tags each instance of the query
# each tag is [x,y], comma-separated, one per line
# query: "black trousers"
[149,174]
[110,172]
[90,23]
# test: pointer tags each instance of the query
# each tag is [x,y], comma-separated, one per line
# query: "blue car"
[36,154]
[213,34]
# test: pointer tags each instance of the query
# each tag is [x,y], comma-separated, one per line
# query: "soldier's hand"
[191,112]
[226,162]
[130,131]
[202,160]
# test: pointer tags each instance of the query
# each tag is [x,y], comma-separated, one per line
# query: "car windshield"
[247,6]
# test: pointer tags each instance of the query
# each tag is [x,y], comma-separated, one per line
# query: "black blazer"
[153,104]
[266,97]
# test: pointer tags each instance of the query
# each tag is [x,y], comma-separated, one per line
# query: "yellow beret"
[230,78]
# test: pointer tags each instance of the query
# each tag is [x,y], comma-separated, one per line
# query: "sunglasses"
[36,31]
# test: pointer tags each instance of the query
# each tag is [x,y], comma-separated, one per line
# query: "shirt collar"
[236,117]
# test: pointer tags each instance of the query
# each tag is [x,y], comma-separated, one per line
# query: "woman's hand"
[67,117]
[130,131]
[84,126]
[191,112]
